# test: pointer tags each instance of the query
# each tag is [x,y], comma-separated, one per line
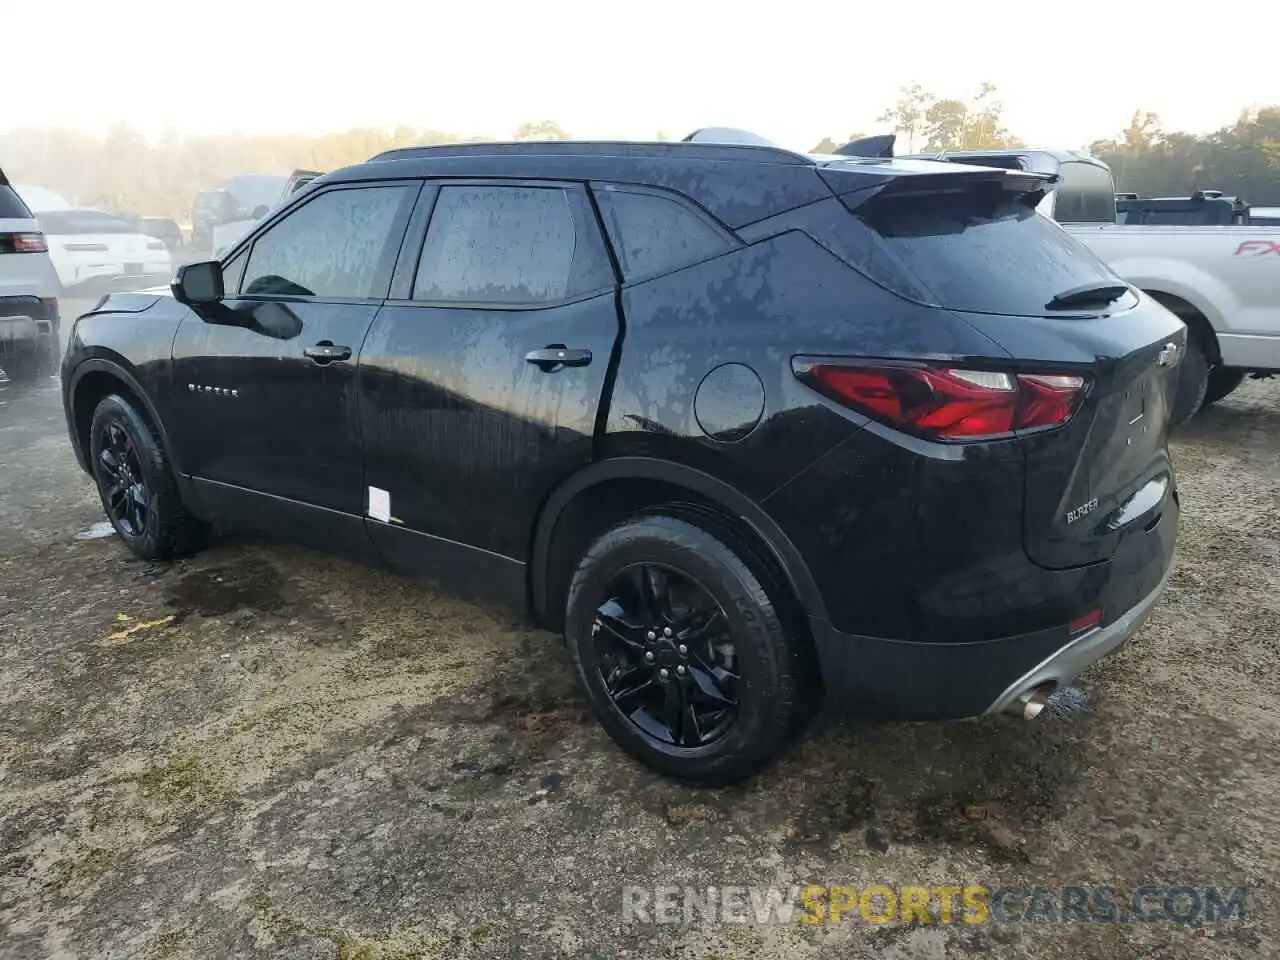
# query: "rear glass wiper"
[1088,295]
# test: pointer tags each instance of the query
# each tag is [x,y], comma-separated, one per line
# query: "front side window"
[510,245]
[653,234]
[336,245]
[233,272]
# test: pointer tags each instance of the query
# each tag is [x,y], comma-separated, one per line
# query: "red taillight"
[23,243]
[944,403]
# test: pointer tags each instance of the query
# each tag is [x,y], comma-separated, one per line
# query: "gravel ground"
[266,752]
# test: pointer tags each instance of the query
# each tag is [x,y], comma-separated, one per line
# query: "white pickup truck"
[1222,281]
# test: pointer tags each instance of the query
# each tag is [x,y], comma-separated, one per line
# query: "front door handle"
[327,352]
[557,356]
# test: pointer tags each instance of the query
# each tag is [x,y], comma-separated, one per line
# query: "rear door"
[482,377]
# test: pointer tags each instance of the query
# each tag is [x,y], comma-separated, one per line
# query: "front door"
[480,383]
[264,384]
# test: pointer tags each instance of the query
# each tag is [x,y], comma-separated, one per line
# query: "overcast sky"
[1068,72]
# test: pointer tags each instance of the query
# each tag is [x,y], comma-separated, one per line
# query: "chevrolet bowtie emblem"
[1168,355]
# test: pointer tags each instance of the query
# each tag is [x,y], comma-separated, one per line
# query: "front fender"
[133,348]
[116,368]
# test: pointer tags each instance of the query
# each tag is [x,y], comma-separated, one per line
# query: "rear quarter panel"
[753,425]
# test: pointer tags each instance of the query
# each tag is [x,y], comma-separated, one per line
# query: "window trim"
[384,270]
[406,272]
[610,186]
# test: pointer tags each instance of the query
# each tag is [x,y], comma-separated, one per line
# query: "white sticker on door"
[380,504]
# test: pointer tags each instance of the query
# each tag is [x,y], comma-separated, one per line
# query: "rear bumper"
[908,680]
[1062,667]
[26,323]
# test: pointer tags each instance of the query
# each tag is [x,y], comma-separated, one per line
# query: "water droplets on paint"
[98,531]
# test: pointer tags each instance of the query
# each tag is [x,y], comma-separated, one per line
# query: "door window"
[340,244]
[511,245]
[233,272]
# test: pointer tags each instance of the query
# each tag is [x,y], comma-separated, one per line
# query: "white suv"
[28,292]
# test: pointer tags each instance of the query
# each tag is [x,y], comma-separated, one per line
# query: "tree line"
[1241,159]
[124,171]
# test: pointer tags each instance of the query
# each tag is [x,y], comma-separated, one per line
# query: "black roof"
[664,149]
[737,183]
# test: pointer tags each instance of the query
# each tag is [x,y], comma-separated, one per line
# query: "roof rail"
[701,149]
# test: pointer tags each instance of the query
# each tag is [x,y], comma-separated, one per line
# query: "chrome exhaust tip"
[1028,705]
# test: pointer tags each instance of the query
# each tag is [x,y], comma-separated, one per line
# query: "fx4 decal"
[1258,248]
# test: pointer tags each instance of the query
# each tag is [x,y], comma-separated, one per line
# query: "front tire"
[682,651]
[1222,381]
[136,483]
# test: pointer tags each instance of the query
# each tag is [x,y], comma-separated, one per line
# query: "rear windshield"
[1086,194]
[11,205]
[66,222]
[978,252]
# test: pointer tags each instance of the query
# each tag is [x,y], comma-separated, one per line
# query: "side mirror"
[198,283]
[260,211]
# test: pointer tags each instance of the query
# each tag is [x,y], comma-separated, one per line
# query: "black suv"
[746,425]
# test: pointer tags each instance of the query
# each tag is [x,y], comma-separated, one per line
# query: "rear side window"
[337,245]
[511,245]
[977,251]
[1086,194]
[654,234]
[11,205]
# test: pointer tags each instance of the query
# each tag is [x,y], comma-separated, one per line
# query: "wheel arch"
[602,477]
[1197,321]
[94,379]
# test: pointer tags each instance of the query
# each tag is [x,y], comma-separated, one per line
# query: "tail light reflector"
[1085,622]
[947,403]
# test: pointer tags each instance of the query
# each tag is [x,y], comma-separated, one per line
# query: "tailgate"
[1107,472]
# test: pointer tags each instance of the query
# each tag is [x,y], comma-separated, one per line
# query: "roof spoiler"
[880,148]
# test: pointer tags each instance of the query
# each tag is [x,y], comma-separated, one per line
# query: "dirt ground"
[266,752]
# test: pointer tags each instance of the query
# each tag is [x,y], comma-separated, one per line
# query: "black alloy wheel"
[677,641]
[665,656]
[136,482]
[123,483]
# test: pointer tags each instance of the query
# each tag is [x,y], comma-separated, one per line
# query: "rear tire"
[136,483]
[636,686]
[1222,381]
[1193,382]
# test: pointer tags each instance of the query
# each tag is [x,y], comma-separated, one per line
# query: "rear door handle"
[327,352]
[557,356]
